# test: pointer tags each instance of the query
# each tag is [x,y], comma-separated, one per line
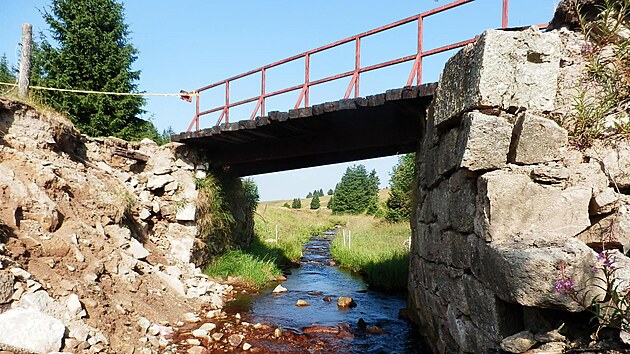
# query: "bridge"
[308,135]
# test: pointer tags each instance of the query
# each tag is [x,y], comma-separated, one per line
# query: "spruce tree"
[309,195]
[297,203]
[315,202]
[91,51]
[398,205]
[357,192]
[330,192]
[6,73]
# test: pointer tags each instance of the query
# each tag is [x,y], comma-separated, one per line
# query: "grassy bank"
[377,248]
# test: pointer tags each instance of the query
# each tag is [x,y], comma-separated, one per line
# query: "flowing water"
[323,324]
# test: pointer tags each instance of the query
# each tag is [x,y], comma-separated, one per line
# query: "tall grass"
[250,270]
[376,249]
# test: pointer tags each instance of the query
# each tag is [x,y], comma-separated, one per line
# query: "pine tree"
[7,75]
[315,202]
[92,52]
[357,192]
[398,205]
[321,192]
[330,192]
[297,203]
[309,195]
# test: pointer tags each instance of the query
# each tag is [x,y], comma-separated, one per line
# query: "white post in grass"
[349,238]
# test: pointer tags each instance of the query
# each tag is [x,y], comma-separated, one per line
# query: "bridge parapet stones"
[510,70]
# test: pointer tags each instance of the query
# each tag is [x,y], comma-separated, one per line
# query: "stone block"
[158,181]
[494,318]
[615,227]
[605,202]
[615,160]
[483,142]
[511,206]
[6,286]
[468,337]
[537,140]
[525,273]
[31,330]
[505,69]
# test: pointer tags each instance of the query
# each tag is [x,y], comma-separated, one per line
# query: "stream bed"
[372,326]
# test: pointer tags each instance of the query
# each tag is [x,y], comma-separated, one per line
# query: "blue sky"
[190,44]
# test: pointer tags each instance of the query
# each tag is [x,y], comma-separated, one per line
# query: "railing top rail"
[340,42]
[416,71]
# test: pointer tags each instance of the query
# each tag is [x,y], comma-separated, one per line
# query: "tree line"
[357,192]
[88,48]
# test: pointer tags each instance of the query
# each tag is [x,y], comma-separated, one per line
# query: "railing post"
[262,92]
[197,111]
[227,101]
[357,65]
[307,77]
[420,48]
[504,17]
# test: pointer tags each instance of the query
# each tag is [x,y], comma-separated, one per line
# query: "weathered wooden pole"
[25,62]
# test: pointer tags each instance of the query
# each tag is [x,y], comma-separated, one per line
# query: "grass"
[249,269]
[378,249]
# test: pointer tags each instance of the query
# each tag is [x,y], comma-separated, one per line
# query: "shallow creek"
[323,326]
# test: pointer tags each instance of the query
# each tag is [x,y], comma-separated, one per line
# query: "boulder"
[505,69]
[32,330]
[526,272]
[503,214]
[537,140]
[137,250]
[346,302]
[158,181]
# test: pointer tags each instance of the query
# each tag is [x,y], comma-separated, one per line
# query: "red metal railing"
[416,70]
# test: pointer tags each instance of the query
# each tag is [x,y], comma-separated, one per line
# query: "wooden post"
[25,62]
[349,238]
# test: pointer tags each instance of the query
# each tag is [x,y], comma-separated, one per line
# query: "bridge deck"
[346,130]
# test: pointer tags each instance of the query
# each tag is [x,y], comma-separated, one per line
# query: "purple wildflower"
[565,286]
[588,49]
[607,260]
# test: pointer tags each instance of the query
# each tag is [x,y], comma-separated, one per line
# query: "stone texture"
[18,325]
[483,142]
[6,286]
[605,202]
[615,160]
[172,282]
[537,140]
[511,206]
[614,227]
[519,342]
[158,181]
[501,69]
[525,272]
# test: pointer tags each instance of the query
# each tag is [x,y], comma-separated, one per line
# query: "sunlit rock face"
[504,203]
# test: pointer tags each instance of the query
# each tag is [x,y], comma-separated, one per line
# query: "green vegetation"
[91,51]
[7,75]
[315,202]
[357,192]
[604,95]
[376,249]
[249,269]
[225,209]
[398,205]
[330,192]
[297,203]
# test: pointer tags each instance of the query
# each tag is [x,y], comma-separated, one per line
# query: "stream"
[373,326]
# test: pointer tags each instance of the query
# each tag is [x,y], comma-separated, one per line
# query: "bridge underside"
[346,130]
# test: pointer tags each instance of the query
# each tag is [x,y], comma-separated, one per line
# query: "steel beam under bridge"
[347,130]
